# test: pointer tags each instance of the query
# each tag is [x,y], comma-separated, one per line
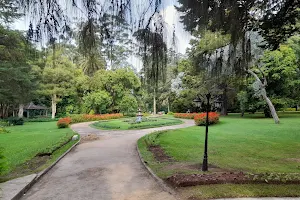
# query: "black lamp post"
[204,163]
[217,104]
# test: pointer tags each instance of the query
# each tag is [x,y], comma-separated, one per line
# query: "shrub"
[41,119]
[88,117]
[130,114]
[200,119]
[289,109]
[3,130]
[64,122]
[102,117]
[15,121]
[185,115]
[4,124]
[145,114]
[78,118]
[170,113]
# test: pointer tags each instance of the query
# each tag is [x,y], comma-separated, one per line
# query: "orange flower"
[200,119]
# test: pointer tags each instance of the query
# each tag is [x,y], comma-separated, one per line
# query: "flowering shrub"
[64,122]
[200,119]
[102,117]
[185,115]
[89,117]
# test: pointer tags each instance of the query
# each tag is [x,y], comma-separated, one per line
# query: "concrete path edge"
[156,178]
[42,173]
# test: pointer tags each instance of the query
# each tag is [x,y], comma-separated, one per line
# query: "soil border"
[42,173]
[156,178]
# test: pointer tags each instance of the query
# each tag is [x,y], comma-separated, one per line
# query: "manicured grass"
[123,124]
[251,144]
[24,142]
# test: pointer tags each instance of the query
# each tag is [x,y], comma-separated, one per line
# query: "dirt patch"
[89,137]
[181,180]
[26,168]
[293,159]
[159,154]
[183,166]
[88,173]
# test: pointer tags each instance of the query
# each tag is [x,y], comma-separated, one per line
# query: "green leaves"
[128,104]
[59,80]
[99,101]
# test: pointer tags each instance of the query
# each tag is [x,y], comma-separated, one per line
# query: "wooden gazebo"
[32,107]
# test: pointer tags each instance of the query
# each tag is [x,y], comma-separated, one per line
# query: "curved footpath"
[105,169]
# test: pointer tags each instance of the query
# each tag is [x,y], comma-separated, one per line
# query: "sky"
[170,16]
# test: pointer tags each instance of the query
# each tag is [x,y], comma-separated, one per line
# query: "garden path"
[105,169]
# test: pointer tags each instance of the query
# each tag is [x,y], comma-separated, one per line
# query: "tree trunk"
[154,102]
[21,110]
[53,105]
[264,95]
[224,109]
[272,109]
[168,106]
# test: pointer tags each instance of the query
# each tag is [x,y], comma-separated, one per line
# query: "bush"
[88,117]
[289,109]
[41,120]
[3,130]
[64,122]
[4,124]
[170,113]
[185,115]
[15,121]
[145,114]
[102,117]
[130,114]
[200,119]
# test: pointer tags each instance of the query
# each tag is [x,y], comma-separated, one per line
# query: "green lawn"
[126,124]
[251,144]
[24,142]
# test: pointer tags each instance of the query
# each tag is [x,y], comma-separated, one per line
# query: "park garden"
[237,80]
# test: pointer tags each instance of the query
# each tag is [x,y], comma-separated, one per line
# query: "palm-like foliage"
[92,63]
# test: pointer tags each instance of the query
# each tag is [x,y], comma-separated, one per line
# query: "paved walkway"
[106,169]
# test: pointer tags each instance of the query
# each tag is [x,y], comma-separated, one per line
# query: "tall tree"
[118,84]
[17,78]
[57,78]
[154,56]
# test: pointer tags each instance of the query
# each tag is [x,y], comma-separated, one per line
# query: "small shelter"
[42,110]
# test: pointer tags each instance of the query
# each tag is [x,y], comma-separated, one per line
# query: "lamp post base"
[204,165]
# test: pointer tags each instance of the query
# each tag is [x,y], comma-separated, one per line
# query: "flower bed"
[88,117]
[185,115]
[102,117]
[200,119]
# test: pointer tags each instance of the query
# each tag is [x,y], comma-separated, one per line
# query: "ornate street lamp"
[217,104]
[197,101]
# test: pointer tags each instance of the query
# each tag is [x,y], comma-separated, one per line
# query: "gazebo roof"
[32,106]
